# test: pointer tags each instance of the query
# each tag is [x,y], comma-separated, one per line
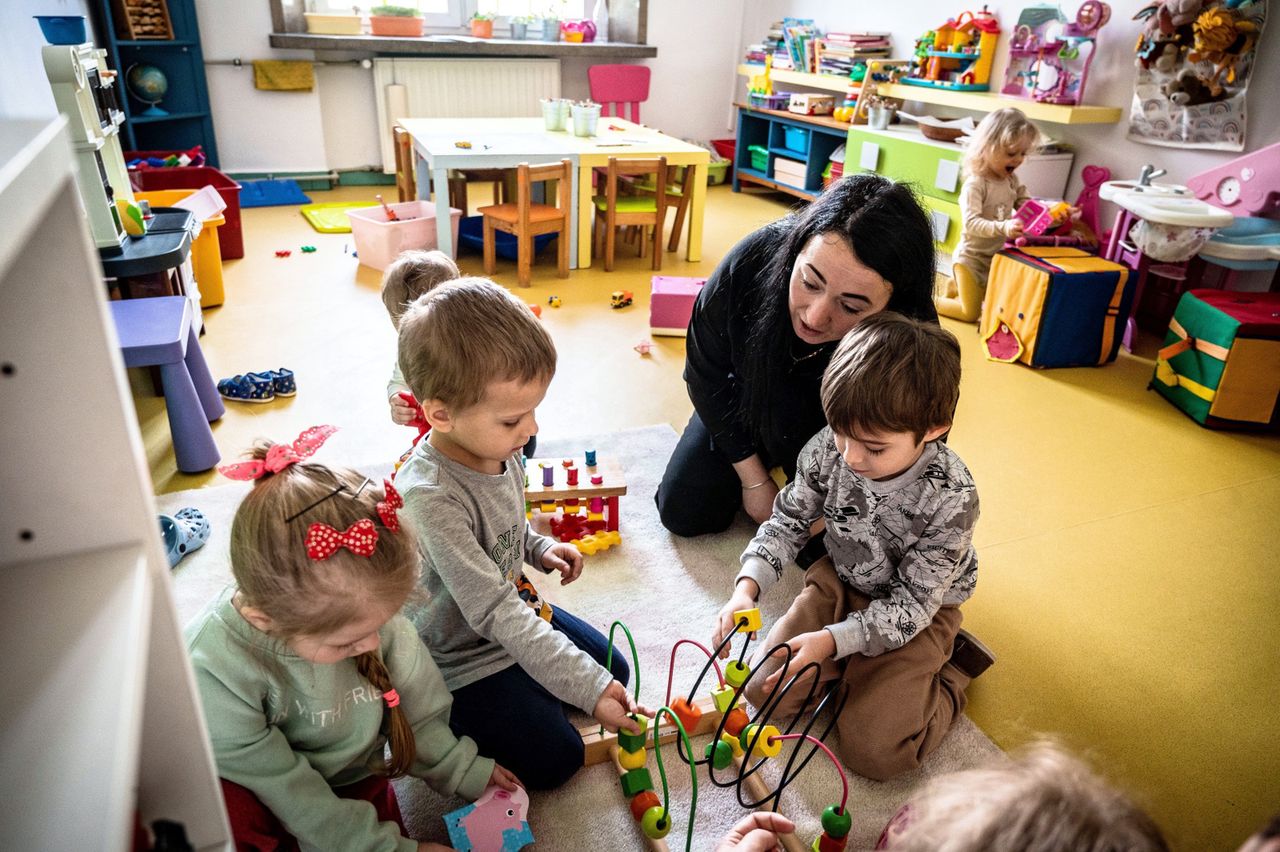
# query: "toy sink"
[1249,243]
[1164,204]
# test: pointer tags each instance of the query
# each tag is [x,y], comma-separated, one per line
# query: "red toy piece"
[283,253]
[419,420]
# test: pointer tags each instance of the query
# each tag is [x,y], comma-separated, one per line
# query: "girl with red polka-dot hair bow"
[315,688]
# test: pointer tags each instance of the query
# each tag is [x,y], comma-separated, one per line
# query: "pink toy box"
[379,241]
[671,304]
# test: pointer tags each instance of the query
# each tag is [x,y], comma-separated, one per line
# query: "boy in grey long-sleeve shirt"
[881,612]
[480,363]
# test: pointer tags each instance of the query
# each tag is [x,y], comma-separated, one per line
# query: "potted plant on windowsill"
[482,25]
[550,26]
[395,21]
[520,26]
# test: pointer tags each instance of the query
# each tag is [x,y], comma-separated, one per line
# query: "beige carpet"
[664,588]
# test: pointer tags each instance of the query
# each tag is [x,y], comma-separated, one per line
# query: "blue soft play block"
[471,234]
[271,193]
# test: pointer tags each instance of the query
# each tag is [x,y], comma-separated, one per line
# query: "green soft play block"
[636,781]
[634,742]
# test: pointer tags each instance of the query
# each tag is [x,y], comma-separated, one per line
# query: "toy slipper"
[183,532]
[250,388]
[281,380]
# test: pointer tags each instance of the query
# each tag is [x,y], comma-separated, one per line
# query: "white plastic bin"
[378,241]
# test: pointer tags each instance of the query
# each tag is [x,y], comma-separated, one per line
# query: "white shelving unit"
[100,717]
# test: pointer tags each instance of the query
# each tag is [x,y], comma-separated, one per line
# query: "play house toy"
[1049,58]
[1221,360]
[958,54]
[1054,307]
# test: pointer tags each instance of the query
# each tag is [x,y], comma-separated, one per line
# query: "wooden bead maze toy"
[738,741]
[584,505]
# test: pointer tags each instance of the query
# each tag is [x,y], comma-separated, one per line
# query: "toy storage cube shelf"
[903,153]
[797,138]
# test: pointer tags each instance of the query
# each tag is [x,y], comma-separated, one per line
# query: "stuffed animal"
[1166,32]
[1221,38]
[1188,89]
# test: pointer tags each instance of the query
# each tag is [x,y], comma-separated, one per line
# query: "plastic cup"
[554,113]
[585,119]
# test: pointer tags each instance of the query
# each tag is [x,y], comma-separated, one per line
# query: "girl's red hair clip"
[280,456]
[391,697]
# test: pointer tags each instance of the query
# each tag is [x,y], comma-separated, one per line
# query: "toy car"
[553,301]
[620,298]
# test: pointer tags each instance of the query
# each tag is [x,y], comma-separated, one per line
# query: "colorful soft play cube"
[1221,359]
[671,304]
[1054,307]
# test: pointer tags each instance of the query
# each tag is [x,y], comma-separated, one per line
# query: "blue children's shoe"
[282,381]
[249,388]
[183,532]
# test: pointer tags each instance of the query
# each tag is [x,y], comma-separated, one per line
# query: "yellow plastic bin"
[206,253]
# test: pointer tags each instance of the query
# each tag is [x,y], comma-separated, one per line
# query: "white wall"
[335,126]
[1110,76]
[24,88]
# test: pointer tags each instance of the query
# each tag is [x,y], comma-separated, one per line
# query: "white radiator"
[459,88]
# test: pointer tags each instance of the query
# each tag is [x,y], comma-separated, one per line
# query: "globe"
[148,84]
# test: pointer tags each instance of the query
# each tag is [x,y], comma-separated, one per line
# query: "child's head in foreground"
[1043,800]
[412,274]
[1000,143]
[325,602]
[480,363]
[890,388]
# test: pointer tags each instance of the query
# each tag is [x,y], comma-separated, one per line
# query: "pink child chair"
[612,86]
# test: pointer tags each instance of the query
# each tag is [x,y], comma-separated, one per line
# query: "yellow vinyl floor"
[1130,576]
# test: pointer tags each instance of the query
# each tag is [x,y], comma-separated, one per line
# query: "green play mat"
[331,217]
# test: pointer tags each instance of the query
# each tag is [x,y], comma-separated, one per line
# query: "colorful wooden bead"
[632,759]
[723,698]
[655,824]
[732,741]
[628,741]
[736,673]
[766,746]
[642,802]
[636,781]
[686,713]
[735,720]
[835,822]
[826,843]
[753,619]
[719,753]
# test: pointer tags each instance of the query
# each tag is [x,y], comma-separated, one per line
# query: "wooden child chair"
[646,210]
[526,219]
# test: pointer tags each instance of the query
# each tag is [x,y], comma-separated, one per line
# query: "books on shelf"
[799,38]
[838,53]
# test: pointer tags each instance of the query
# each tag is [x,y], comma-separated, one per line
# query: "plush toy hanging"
[1194,59]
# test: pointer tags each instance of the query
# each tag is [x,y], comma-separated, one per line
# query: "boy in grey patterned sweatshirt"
[881,612]
[480,362]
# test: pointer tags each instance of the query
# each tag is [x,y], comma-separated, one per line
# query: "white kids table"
[507,142]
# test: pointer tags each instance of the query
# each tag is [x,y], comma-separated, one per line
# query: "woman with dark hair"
[763,330]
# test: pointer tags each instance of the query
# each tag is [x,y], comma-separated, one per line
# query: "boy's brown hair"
[465,334]
[412,274]
[892,373]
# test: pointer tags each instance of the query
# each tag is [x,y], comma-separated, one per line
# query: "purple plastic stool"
[157,332]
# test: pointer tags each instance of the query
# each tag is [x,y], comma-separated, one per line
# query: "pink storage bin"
[671,304]
[378,241]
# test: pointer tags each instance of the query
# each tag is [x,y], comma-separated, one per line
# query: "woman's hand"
[744,597]
[758,501]
[504,778]
[757,832]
